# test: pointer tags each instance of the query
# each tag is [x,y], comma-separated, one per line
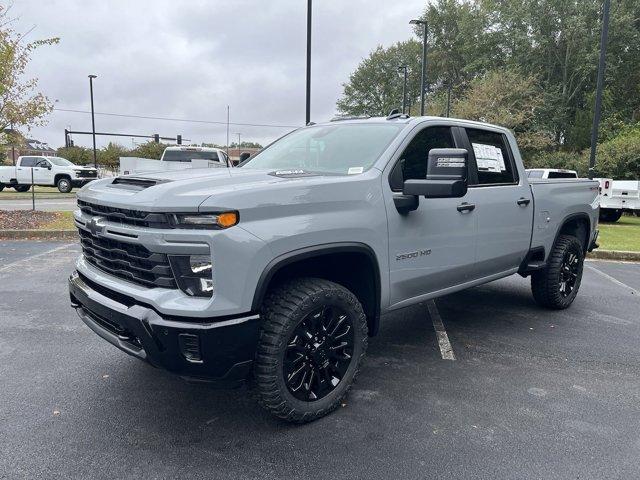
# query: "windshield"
[188,155]
[59,161]
[339,149]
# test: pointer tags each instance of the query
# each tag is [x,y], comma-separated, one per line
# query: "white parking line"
[617,282]
[42,254]
[443,339]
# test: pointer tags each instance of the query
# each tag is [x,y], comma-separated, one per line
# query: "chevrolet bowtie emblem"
[95,225]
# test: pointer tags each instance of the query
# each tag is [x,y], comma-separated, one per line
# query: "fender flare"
[569,218]
[316,251]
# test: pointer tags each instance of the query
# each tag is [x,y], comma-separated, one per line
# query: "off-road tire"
[22,188]
[609,216]
[64,185]
[283,310]
[546,284]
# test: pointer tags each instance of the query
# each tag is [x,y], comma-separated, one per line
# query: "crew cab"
[278,271]
[47,172]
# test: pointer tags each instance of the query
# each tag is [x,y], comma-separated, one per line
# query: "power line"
[169,119]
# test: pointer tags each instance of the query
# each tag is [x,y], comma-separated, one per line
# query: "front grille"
[128,261]
[125,216]
[86,174]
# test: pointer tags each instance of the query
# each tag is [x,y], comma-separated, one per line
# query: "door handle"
[466,207]
[523,202]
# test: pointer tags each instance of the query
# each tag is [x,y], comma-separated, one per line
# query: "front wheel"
[313,338]
[557,285]
[64,185]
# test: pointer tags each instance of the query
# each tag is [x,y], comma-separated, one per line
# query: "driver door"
[41,172]
[433,247]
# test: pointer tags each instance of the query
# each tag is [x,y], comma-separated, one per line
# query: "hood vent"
[134,183]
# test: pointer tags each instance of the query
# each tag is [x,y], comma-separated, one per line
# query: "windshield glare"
[59,161]
[338,149]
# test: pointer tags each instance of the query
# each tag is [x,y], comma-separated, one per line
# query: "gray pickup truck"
[278,271]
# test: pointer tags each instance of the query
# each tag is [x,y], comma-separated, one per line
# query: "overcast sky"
[189,59]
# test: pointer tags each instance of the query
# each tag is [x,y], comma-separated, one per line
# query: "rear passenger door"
[504,204]
[24,169]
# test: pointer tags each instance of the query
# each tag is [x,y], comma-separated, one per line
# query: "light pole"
[423,81]
[93,121]
[239,136]
[599,86]
[449,99]
[308,106]
[403,68]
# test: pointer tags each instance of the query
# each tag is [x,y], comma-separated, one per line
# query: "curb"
[615,255]
[38,235]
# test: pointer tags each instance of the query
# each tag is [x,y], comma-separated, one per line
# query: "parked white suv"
[45,171]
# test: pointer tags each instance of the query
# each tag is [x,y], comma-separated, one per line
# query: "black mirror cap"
[436,188]
[447,164]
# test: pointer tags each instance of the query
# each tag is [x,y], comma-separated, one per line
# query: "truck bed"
[555,200]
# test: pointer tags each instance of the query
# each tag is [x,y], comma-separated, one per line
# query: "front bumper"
[81,182]
[220,350]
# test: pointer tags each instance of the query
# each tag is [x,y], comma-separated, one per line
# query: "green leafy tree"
[149,150]
[109,156]
[77,155]
[375,88]
[21,105]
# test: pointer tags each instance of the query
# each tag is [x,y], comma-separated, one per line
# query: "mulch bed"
[26,219]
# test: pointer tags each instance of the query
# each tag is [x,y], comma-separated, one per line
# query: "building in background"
[14,144]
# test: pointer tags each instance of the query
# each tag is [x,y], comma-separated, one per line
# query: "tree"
[510,99]
[109,156]
[149,150]
[375,88]
[77,155]
[20,104]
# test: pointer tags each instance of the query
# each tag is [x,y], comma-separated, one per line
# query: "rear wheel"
[64,185]
[557,285]
[609,215]
[313,338]
[1,187]
[22,188]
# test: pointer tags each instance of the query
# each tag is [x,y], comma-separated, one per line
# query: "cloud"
[190,59]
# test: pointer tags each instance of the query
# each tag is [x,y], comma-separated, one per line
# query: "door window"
[413,160]
[42,163]
[28,161]
[493,157]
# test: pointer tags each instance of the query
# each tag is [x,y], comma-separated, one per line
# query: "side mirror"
[244,156]
[446,175]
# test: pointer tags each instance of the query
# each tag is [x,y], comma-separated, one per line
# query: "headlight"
[205,220]
[194,274]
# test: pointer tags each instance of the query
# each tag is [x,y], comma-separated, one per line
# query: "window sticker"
[355,170]
[489,158]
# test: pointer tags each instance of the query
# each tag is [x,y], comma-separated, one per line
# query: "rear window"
[562,175]
[188,155]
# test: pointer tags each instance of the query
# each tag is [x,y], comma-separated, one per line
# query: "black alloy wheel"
[569,271]
[318,353]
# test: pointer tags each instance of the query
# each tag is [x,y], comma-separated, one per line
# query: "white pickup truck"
[45,171]
[617,197]
[176,158]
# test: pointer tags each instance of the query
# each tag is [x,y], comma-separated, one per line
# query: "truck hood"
[184,190]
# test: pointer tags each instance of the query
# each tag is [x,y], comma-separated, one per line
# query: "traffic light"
[179,139]
[156,137]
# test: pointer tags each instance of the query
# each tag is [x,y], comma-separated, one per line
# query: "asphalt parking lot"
[530,394]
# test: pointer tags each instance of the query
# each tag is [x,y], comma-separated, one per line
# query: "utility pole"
[93,121]
[227,130]
[404,87]
[599,86]
[449,99]
[239,134]
[308,98]
[423,80]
